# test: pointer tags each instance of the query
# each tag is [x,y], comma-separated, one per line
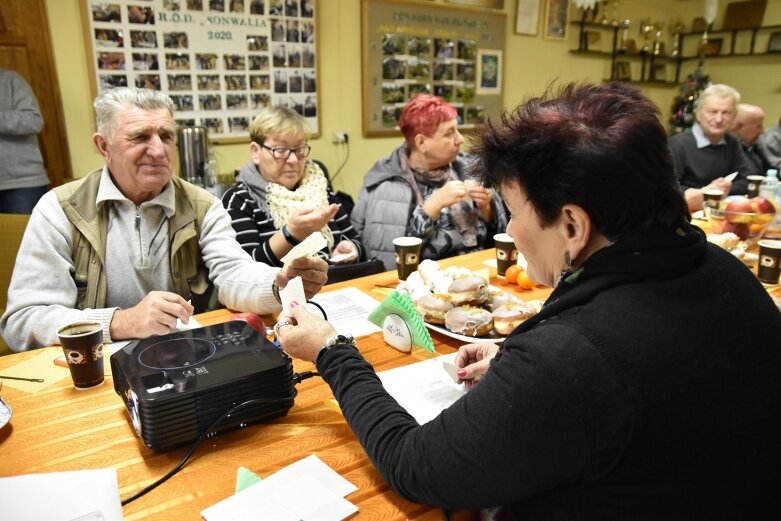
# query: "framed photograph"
[222,59]
[712,47]
[527,17]
[623,71]
[659,72]
[434,51]
[556,19]
[774,44]
[489,71]
[493,4]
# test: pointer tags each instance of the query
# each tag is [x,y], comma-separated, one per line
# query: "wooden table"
[61,429]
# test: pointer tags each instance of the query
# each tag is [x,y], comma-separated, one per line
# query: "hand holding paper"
[298,263]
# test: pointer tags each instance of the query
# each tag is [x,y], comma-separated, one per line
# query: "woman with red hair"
[421,190]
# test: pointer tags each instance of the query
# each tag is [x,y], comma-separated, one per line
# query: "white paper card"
[191,324]
[308,489]
[312,244]
[293,292]
[21,496]
[451,370]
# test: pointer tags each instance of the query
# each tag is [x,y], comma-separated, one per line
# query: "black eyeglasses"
[284,152]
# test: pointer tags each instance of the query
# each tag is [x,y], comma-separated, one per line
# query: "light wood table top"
[61,429]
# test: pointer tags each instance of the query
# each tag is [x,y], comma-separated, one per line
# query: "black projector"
[175,386]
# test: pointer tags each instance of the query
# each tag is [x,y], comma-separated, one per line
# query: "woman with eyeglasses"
[281,197]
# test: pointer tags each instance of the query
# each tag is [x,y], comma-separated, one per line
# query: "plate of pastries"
[460,303]
[732,243]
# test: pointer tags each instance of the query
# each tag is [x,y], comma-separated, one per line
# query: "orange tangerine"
[523,280]
[511,274]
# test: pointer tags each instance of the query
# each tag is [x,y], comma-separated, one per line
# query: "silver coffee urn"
[193,143]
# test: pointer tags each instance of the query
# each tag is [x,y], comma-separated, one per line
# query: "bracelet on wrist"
[289,237]
[337,340]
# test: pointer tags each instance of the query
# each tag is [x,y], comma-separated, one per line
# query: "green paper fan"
[402,305]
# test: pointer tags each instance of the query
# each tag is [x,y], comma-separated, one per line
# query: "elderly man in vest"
[132,246]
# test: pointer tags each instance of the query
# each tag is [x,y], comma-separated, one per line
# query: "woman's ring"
[279,325]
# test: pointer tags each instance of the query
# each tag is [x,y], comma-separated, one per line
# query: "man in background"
[23,179]
[707,154]
[769,144]
[748,126]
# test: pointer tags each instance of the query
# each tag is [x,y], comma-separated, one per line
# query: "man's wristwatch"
[330,342]
[288,237]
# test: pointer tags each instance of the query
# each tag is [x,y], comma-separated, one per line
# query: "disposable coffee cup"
[82,343]
[712,197]
[769,265]
[752,188]
[506,253]
[407,255]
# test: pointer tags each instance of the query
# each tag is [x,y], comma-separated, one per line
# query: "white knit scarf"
[311,193]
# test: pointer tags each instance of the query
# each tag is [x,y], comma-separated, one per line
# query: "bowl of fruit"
[746,218]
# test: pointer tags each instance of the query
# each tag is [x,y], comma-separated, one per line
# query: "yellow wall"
[531,63]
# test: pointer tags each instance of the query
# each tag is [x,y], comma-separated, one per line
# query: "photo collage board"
[451,52]
[221,61]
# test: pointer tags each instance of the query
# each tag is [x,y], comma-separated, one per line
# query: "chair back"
[12,228]
[348,203]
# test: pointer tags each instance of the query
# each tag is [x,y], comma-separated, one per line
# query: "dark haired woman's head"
[600,147]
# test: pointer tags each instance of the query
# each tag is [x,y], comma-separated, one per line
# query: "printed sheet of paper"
[425,388]
[308,489]
[314,243]
[347,310]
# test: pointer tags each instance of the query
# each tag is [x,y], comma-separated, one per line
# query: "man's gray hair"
[111,101]
[722,91]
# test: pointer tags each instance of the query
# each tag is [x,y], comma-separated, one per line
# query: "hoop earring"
[568,267]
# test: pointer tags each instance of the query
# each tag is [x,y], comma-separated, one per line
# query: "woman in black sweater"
[647,387]
[281,197]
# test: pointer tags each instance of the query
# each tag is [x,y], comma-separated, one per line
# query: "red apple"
[252,319]
[737,207]
[741,229]
[762,205]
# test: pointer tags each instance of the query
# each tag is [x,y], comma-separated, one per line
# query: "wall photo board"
[409,48]
[221,61]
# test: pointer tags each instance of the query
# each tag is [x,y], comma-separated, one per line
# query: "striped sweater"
[254,227]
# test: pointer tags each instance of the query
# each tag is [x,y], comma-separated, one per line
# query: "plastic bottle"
[767,188]
[211,175]
[770,189]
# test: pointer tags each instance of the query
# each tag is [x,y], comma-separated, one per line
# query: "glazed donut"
[508,316]
[433,308]
[499,298]
[468,291]
[469,321]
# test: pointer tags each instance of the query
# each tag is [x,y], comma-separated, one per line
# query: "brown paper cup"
[712,197]
[506,253]
[82,343]
[769,269]
[752,188]
[407,255]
